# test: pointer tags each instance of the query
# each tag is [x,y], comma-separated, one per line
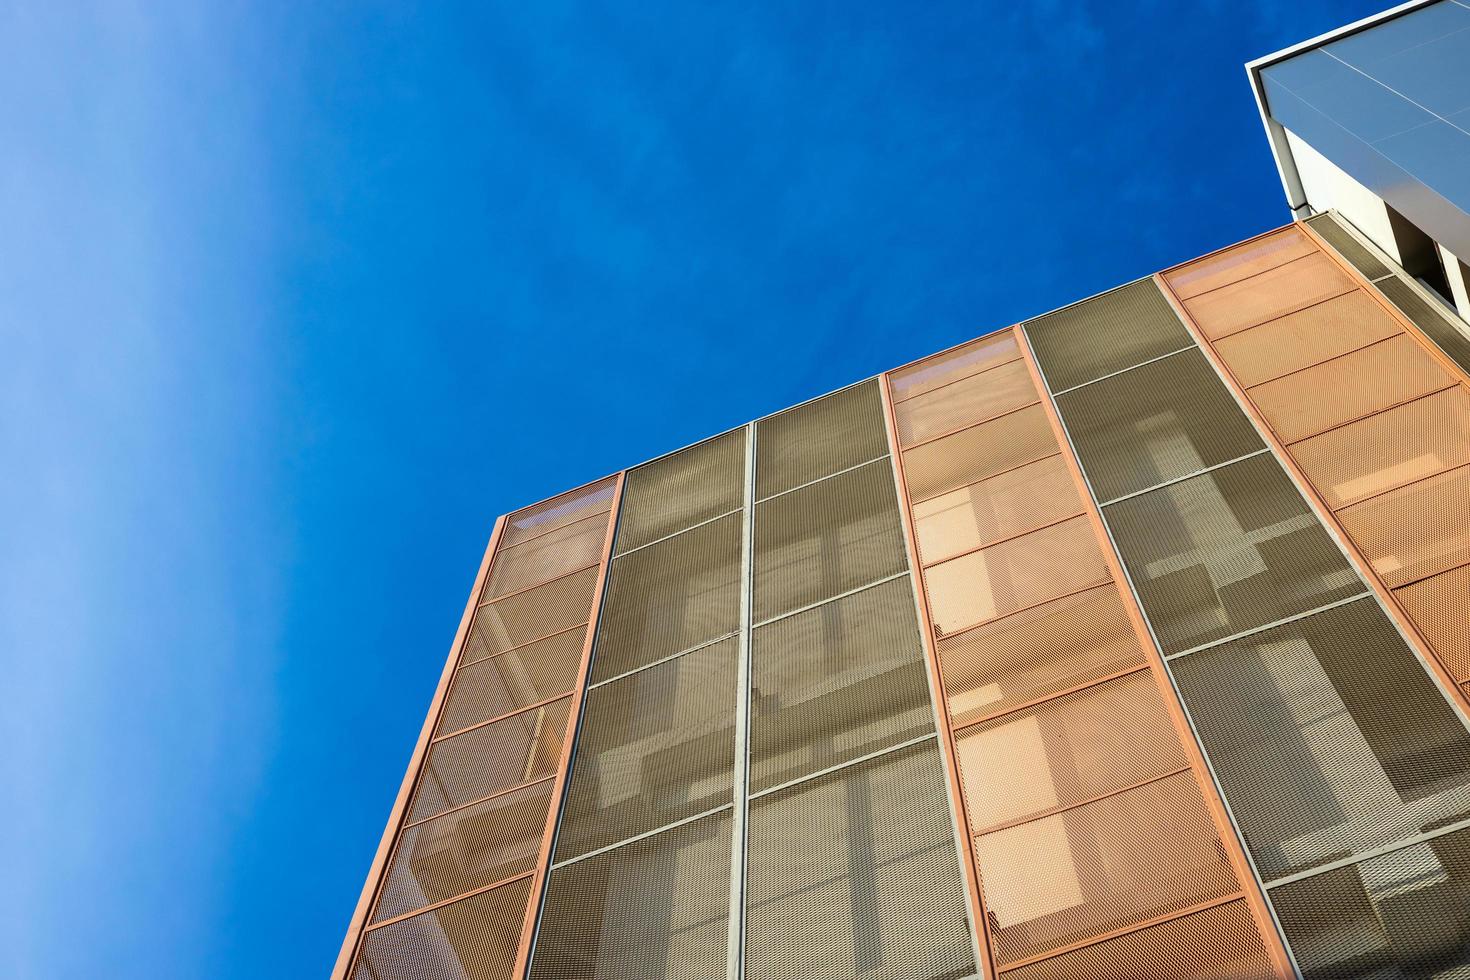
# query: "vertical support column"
[965,839]
[564,765]
[739,836]
[1240,861]
[415,764]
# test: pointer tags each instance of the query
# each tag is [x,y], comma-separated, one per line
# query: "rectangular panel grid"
[526,616]
[1020,500]
[473,939]
[819,438]
[1440,608]
[950,366]
[981,396]
[1241,262]
[1299,340]
[1415,531]
[679,491]
[1106,334]
[1341,240]
[547,557]
[1277,292]
[559,511]
[514,680]
[978,452]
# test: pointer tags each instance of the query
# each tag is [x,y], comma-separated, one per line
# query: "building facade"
[1131,641]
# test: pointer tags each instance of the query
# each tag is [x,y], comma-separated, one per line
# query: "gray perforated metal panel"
[1435,323]
[1347,246]
[655,746]
[819,438]
[1227,551]
[681,490]
[1327,736]
[1120,328]
[655,909]
[854,874]
[1155,423]
[836,683]
[827,538]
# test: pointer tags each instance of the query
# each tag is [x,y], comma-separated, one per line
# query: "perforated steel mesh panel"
[819,438]
[1241,262]
[1347,246]
[1108,333]
[1327,737]
[1299,340]
[517,620]
[835,683]
[1415,531]
[1400,915]
[1440,608]
[547,557]
[465,849]
[681,490]
[1049,648]
[1277,292]
[491,758]
[854,874]
[1020,500]
[656,746]
[497,686]
[669,597]
[474,939]
[1433,322]
[981,396]
[1155,423]
[1348,388]
[826,538]
[559,511]
[1219,943]
[978,452]
[1020,572]
[976,356]
[1388,450]
[1227,551]
[656,909]
[1066,750]
[1086,871]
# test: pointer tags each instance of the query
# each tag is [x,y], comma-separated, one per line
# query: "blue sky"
[295,298]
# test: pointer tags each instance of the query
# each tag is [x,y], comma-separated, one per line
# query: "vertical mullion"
[740,796]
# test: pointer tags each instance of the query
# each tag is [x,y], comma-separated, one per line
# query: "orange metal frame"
[415,765]
[1314,498]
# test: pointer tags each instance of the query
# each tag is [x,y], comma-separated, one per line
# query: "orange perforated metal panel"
[1130,858]
[978,452]
[1349,387]
[1242,262]
[516,679]
[526,616]
[1285,289]
[1015,502]
[952,365]
[547,557]
[994,392]
[1440,607]
[473,939]
[1415,531]
[559,511]
[1299,340]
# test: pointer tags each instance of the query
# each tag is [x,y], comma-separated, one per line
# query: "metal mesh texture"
[1125,859]
[1300,340]
[1066,750]
[514,680]
[1099,336]
[995,392]
[517,620]
[491,758]
[670,596]
[854,875]
[1342,241]
[1241,262]
[559,511]
[1388,450]
[1227,551]
[655,747]
[941,369]
[1404,914]
[465,849]
[1327,737]
[1348,388]
[679,491]
[1021,572]
[547,557]
[1268,295]
[655,909]
[1438,606]
[1155,423]
[1218,943]
[819,438]
[835,683]
[1051,647]
[474,939]
[1019,500]
[1415,531]
[1433,322]
[978,452]
[827,538]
